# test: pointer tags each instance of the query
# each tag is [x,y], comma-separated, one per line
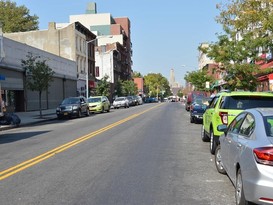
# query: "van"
[191,96]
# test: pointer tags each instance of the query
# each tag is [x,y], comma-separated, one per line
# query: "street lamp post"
[86,61]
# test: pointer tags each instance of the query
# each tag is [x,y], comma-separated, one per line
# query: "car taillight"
[224,117]
[264,155]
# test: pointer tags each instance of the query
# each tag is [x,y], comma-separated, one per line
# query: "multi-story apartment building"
[13,91]
[103,24]
[69,42]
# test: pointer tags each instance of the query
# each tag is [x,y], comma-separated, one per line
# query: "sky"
[165,35]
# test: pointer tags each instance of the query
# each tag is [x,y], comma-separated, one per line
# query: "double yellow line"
[24,165]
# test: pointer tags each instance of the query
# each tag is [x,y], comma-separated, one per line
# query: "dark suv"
[225,106]
[73,106]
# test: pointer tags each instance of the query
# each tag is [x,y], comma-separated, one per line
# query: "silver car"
[245,154]
[121,102]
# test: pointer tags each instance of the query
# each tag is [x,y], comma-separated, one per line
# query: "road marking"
[214,180]
[31,162]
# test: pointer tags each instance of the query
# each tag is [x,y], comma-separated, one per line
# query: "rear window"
[246,102]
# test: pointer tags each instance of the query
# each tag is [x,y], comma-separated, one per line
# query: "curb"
[8,127]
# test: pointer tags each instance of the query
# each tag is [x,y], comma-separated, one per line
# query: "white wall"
[15,52]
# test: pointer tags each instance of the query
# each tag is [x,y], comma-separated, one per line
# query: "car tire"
[87,112]
[239,190]
[79,113]
[218,160]
[191,119]
[108,110]
[204,137]
[213,142]
[102,110]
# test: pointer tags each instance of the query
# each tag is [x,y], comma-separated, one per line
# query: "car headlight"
[58,109]
[74,107]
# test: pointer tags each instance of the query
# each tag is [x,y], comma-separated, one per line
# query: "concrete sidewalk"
[28,118]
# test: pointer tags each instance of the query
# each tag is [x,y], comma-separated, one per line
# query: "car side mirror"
[222,128]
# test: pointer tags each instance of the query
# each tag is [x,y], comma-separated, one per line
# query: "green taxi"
[225,106]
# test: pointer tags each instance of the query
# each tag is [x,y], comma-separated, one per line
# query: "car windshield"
[119,99]
[247,102]
[94,100]
[201,101]
[71,101]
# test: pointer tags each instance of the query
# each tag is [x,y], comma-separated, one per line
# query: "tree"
[198,79]
[248,27]
[155,84]
[16,18]
[103,87]
[137,75]
[39,75]
[240,77]
[129,87]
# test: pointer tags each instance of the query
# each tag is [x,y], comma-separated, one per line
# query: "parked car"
[131,100]
[139,99]
[197,109]
[99,104]
[121,102]
[245,154]
[73,107]
[191,96]
[223,109]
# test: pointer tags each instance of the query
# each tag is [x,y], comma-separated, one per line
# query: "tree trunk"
[40,103]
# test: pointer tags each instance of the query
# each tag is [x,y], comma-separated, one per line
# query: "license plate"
[65,113]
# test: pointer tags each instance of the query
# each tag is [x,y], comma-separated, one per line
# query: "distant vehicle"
[150,100]
[99,104]
[121,102]
[245,154]
[73,107]
[197,109]
[225,106]
[139,100]
[131,100]
[191,96]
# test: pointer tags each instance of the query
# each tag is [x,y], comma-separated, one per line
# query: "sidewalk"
[28,118]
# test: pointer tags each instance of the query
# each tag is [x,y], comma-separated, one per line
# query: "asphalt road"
[149,155]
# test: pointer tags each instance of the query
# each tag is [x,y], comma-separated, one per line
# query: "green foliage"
[129,88]
[180,93]
[252,21]
[16,18]
[241,77]
[103,87]
[137,75]
[198,79]
[38,75]
[155,84]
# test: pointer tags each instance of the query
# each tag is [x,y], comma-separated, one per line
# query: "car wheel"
[102,110]
[239,190]
[191,119]
[79,113]
[59,117]
[204,137]
[213,142]
[218,160]
[195,120]
[108,110]
[87,112]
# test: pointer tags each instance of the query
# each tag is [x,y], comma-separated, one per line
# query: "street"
[147,154]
